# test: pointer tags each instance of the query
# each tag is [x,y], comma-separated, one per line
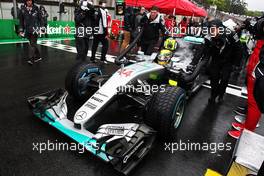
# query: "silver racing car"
[158,85]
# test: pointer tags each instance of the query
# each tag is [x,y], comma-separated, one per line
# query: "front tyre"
[165,111]
[78,80]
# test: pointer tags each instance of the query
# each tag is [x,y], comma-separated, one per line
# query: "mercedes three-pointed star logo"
[81,115]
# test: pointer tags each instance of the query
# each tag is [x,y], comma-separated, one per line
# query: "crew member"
[84,17]
[44,16]
[170,23]
[17,17]
[138,18]
[253,111]
[30,25]
[259,84]
[101,34]
[152,23]
[183,25]
[129,24]
[224,48]
[18,12]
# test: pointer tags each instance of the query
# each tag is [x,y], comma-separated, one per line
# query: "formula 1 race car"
[158,84]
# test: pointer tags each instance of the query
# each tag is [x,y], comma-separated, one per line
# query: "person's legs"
[86,48]
[139,45]
[35,47]
[105,46]
[95,46]
[214,81]
[144,47]
[30,50]
[80,46]
[30,47]
[33,51]
[253,114]
[46,34]
[17,29]
[150,48]
[126,40]
[225,76]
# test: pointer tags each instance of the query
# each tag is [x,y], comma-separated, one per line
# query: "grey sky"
[255,4]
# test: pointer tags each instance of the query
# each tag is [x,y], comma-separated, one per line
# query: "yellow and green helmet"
[164,57]
[170,44]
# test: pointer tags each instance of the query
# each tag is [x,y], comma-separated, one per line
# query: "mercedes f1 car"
[123,144]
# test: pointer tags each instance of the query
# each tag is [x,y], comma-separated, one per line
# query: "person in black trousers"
[100,34]
[84,18]
[44,16]
[129,22]
[30,24]
[225,48]
[17,17]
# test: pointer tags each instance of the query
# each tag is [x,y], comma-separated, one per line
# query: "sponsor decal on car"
[97,99]
[125,72]
[99,93]
[115,130]
[90,105]
[81,115]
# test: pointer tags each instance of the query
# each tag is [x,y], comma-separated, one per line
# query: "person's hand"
[22,34]
[90,4]
[190,68]
[42,30]
[84,6]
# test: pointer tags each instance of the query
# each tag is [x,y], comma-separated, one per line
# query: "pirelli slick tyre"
[78,79]
[165,111]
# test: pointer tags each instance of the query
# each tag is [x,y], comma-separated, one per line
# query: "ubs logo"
[81,115]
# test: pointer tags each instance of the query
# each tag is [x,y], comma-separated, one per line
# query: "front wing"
[123,145]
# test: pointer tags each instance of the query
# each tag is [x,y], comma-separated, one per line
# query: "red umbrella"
[181,7]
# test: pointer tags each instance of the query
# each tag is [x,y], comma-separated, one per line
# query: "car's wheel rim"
[178,114]
[83,82]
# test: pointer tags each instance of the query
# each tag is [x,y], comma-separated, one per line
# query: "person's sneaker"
[234,134]
[240,112]
[105,62]
[211,101]
[238,126]
[37,60]
[220,99]
[242,108]
[131,55]
[242,119]
[93,61]
[30,62]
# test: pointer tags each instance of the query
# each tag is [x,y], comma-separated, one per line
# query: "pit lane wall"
[9,27]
